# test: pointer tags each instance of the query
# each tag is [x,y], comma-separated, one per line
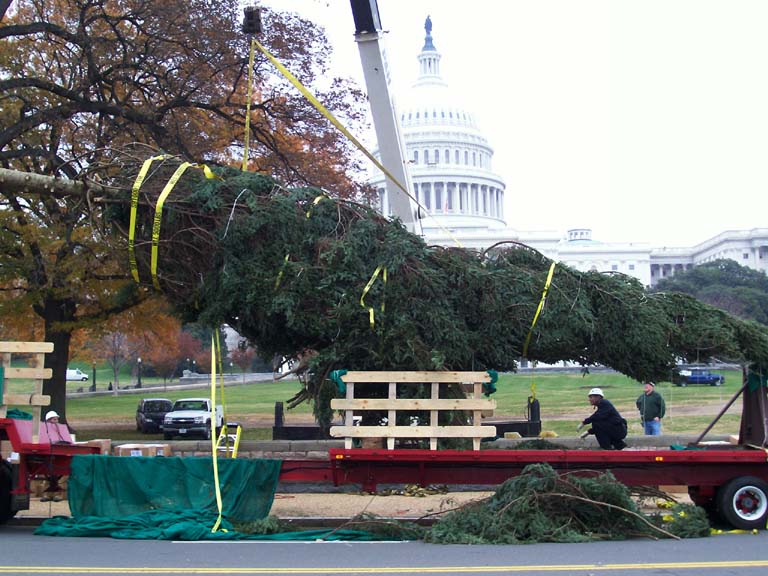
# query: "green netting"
[180,525]
[113,487]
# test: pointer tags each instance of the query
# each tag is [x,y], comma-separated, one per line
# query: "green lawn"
[563,400]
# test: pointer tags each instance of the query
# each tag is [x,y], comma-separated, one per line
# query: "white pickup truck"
[192,416]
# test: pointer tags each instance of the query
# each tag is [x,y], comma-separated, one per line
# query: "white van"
[76,374]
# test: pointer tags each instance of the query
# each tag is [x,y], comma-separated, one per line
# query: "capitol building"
[451,168]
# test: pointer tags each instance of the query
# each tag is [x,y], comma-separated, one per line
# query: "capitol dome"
[448,156]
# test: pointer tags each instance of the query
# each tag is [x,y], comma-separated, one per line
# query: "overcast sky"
[646,121]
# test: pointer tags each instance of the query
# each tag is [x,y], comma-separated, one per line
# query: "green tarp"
[173,499]
[180,525]
[120,486]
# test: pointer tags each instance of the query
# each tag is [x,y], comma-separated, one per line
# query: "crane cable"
[340,127]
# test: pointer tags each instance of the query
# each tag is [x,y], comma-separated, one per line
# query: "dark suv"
[150,414]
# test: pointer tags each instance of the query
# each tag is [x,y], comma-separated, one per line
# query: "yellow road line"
[384,569]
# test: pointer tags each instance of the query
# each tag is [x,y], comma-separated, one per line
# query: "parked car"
[150,414]
[192,416]
[699,376]
[76,374]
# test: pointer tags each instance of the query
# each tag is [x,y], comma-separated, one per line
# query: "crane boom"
[369,38]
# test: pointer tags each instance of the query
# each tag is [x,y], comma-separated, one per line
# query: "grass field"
[563,399]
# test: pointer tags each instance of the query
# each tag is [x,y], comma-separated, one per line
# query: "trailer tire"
[743,502]
[6,483]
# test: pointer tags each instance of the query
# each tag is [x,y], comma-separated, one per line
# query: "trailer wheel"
[6,482]
[743,502]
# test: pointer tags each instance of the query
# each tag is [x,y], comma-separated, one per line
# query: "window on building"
[415,156]
[438,200]
[614,267]
[457,157]
[745,255]
[437,156]
[474,158]
[447,156]
[631,266]
[466,158]
[426,156]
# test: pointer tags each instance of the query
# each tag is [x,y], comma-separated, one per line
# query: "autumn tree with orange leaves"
[82,80]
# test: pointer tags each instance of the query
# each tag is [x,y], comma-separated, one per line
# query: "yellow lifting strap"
[209,174]
[538,309]
[247,135]
[229,442]
[380,269]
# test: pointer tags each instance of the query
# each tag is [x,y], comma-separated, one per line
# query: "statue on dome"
[428,25]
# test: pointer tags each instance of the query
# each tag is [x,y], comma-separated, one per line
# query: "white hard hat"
[51,414]
[596,392]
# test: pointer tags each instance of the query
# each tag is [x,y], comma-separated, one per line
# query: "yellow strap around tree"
[134,208]
[159,212]
[380,269]
[539,309]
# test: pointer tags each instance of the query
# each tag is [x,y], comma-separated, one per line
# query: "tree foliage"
[294,270]
[82,79]
[725,284]
[542,505]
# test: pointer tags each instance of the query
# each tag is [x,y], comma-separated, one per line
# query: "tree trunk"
[58,315]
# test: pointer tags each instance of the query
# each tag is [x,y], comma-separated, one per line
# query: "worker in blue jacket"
[606,423]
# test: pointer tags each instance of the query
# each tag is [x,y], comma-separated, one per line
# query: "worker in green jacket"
[652,409]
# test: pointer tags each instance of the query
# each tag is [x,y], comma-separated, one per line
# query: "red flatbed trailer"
[732,481]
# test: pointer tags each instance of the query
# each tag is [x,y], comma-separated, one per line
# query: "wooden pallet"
[474,404]
[35,371]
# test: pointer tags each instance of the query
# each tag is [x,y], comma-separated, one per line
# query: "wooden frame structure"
[36,371]
[471,382]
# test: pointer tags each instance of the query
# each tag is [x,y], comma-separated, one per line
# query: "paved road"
[22,553]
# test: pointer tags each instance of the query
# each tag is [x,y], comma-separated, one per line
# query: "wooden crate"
[474,404]
[36,371]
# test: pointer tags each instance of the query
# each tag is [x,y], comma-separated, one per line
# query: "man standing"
[606,423]
[652,409]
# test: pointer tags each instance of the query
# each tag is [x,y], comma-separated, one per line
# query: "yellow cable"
[247,135]
[214,438]
[340,127]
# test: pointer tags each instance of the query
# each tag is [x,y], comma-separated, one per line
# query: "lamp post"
[93,381]
[138,372]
